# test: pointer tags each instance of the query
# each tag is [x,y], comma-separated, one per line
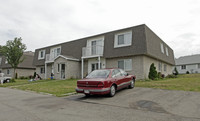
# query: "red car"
[105,81]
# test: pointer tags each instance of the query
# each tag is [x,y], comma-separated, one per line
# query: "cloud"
[42,23]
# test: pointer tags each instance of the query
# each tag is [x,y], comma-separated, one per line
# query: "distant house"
[25,68]
[133,49]
[189,63]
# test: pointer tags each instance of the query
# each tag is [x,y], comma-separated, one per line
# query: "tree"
[175,71]
[152,72]
[13,51]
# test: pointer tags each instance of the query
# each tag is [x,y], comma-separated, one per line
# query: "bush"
[12,80]
[175,71]
[21,77]
[34,75]
[171,76]
[152,72]
[187,72]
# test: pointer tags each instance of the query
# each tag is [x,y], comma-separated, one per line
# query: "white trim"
[39,55]
[125,44]
[66,58]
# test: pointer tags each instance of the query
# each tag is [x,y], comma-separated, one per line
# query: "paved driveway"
[139,104]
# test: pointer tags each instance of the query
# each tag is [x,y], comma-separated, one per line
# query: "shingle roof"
[190,59]
[144,42]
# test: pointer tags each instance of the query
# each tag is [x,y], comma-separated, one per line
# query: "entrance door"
[62,71]
[95,66]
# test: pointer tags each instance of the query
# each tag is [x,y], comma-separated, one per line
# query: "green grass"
[54,87]
[186,82]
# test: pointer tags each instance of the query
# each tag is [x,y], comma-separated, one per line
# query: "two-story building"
[133,49]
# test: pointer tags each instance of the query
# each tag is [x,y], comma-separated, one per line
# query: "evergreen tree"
[152,72]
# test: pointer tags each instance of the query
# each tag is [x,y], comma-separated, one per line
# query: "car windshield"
[99,74]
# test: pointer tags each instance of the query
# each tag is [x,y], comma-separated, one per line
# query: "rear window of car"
[99,74]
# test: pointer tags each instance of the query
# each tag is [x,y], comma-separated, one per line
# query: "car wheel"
[87,95]
[132,85]
[112,91]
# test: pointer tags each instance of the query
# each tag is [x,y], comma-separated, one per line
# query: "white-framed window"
[160,66]
[41,54]
[55,52]
[162,47]
[125,64]
[183,67]
[198,66]
[167,52]
[123,39]
[0,60]
[165,67]
[42,70]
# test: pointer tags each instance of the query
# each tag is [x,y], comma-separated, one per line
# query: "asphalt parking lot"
[139,104]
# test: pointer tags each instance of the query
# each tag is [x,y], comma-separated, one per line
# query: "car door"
[126,78]
[117,76]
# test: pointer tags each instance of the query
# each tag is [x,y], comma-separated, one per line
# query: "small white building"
[189,63]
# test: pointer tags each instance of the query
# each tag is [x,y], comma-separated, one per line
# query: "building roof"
[186,60]
[27,63]
[144,42]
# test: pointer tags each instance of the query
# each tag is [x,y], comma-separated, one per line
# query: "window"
[167,53]
[42,70]
[125,64]
[162,47]
[116,73]
[41,54]
[0,60]
[183,67]
[198,65]
[55,52]
[8,71]
[123,39]
[165,67]
[160,66]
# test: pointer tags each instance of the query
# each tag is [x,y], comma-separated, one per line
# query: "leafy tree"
[13,51]
[152,72]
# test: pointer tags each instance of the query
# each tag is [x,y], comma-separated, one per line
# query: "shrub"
[159,75]
[187,72]
[152,72]
[171,76]
[175,71]
[21,77]
[12,80]
[34,75]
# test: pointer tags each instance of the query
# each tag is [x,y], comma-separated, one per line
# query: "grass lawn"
[186,82]
[54,87]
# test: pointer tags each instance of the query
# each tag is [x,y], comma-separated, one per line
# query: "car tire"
[112,91]
[87,95]
[132,84]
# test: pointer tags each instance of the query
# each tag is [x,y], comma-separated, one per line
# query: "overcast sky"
[42,23]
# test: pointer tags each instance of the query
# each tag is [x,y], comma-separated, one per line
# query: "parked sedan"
[105,81]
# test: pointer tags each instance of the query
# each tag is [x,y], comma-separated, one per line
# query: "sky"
[42,23]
